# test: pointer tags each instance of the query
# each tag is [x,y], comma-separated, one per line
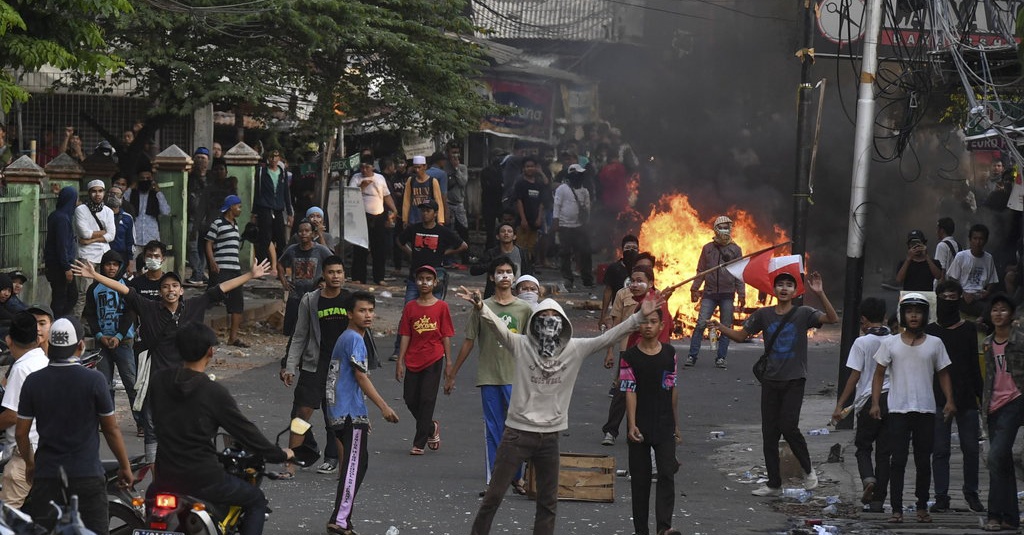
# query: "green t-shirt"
[497,365]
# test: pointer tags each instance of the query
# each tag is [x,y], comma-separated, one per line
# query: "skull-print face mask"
[547,330]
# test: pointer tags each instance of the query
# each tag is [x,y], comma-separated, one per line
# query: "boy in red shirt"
[426,331]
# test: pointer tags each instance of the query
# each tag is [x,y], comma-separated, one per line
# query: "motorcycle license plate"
[155,532]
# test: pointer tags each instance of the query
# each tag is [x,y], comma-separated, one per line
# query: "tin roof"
[568,20]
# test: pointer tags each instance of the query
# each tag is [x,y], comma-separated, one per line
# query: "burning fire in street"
[675,232]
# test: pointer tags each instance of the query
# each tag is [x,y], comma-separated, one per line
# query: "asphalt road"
[438,493]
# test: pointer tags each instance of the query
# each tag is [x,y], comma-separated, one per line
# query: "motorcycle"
[126,511]
[171,513]
[69,521]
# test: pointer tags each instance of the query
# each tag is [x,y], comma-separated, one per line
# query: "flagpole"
[729,263]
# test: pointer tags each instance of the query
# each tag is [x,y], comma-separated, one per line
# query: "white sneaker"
[765,490]
[609,440]
[811,480]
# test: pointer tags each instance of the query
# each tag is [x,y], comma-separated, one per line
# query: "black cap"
[429,203]
[169,275]
[41,309]
[916,235]
[19,275]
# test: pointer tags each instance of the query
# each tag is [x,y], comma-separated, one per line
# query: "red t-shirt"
[666,332]
[426,327]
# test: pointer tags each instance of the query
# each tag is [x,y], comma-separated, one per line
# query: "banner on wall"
[533,105]
[354,218]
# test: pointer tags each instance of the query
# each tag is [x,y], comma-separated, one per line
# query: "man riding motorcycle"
[189,409]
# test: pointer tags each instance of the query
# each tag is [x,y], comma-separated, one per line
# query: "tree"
[395,62]
[67,34]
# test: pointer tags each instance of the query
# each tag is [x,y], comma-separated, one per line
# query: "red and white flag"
[761,270]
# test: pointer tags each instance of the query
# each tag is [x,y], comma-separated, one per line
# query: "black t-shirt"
[150,289]
[652,378]
[533,195]
[159,326]
[333,321]
[615,276]
[919,278]
[66,400]
[964,370]
[428,245]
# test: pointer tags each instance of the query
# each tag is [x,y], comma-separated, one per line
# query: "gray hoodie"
[542,387]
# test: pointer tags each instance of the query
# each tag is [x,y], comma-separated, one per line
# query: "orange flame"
[675,232]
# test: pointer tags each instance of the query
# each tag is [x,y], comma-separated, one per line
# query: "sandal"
[896,518]
[238,343]
[285,474]
[434,442]
[923,517]
[335,529]
[519,487]
[416,451]
[993,525]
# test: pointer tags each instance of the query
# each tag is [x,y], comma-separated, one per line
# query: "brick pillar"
[171,169]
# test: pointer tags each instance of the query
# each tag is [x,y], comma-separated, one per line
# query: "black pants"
[354,458]
[63,294]
[309,439]
[380,248]
[92,501]
[420,394]
[576,242]
[918,427]
[490,229]
[616,411]
[781,402]
[271,228]
[872,435]
[640,484]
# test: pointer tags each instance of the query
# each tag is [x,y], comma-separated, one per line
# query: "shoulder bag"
[761,366]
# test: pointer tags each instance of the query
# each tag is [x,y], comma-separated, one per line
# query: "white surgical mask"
[529,297]
[153,264]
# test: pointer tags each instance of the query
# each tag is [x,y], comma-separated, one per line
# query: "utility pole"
[863,137]
[804,132]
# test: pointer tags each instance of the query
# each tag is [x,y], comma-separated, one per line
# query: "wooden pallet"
[581,477]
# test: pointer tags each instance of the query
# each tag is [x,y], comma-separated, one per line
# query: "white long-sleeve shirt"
[86,224]
[567,210]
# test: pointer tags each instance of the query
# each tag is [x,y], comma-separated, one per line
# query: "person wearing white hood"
[547,361]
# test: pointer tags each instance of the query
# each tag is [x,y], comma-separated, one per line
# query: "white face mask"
[723,231]
[153,264]
[502,277]
[529,297]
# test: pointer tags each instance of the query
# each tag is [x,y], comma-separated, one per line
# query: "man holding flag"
[785,325]
[720,288]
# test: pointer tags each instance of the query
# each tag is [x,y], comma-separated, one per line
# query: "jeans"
[92,501]
[969,430]
[196,254]
[123,357]
[707,308]
[541,449]
[420,394]
[640,484]
[1003,424]
[495,399]
[873,433]
[63,294]
[351,471]
[232,490]
[379,241]
[781,402]
[918,427]
[576,242]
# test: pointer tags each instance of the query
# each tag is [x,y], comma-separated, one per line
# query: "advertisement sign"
[842,22]
[354,218]
[532,103]
[580,103]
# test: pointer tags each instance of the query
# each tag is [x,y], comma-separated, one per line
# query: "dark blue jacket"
[277,196]
[61,246]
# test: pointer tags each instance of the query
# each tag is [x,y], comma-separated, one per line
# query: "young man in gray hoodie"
[547,361]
